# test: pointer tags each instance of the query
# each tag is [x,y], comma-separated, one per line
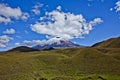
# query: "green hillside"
[110,43]
[62,64]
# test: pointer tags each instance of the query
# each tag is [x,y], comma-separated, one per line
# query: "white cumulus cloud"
[117,7]
[17,44]
[64,25]
[59,8]
[4,40]
[9,31]
[42,42]
[7,13]
[4,20]
[34,42]
[36,8]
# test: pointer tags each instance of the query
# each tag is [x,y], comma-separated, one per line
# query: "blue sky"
[32,22]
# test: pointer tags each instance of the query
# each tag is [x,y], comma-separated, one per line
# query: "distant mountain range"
[110,43]
[56,45]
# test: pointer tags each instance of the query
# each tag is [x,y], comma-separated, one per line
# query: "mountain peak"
[57,44]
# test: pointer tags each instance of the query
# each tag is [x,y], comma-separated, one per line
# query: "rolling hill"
[93,63]
[110,43]
[23,49]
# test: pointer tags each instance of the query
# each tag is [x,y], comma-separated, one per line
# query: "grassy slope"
[110,43]
[64,64]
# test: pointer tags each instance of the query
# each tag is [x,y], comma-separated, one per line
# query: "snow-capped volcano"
[57,44]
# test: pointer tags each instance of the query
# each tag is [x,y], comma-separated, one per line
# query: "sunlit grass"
[62,64]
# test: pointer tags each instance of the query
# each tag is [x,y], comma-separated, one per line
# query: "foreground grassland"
[62,64]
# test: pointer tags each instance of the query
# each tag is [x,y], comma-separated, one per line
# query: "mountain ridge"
[109,43]
[23,49]
[56,45]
